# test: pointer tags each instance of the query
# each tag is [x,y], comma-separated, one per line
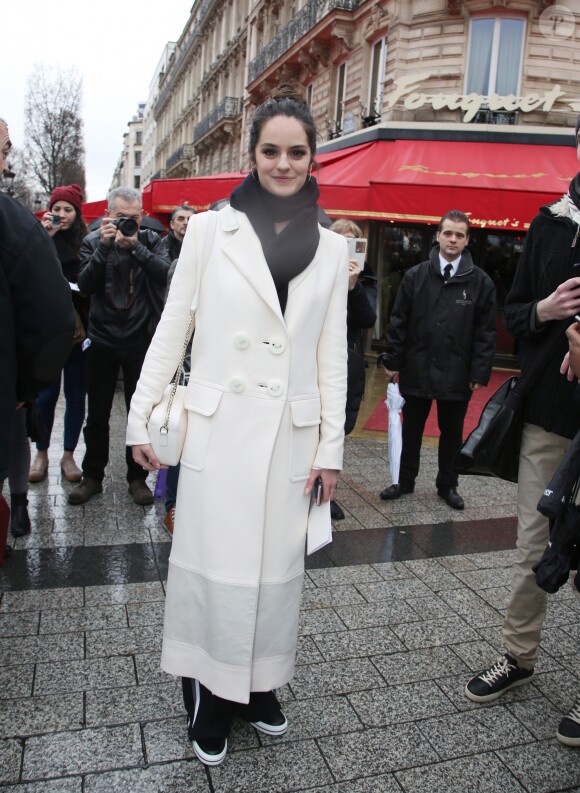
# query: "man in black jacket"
[545,291]
[37,318]
[177,228]
[124,271]
[441,343]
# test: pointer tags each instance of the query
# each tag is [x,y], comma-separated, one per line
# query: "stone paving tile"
[557,641]
[451,630]
[357,643]
[371,615]
[36,599]
[10,759]
[330,596]
[571,663]
[430,608]
[493,558]
[123,641]
[146,613]
[385,783]
[21,649]
[486,579]
[472,608]
[96,534]
[386,590]
[538,715]
[477,655]
[19,624]
[89,618]
[119,594]
[16,681]
[398,704]
[315,719]
[167,778]
[560,687]
[428,664]
[559,615]
[64,785]
[306,651]
[319,621]
[383,750]
[482,773]
[474,732]
[95,673]
[496,597]
[549,767]
[37,715]
[281,769]
[139,703]
[390,571]
[50,538]
[149,670]
[334,677]
[334,576]
[82,752]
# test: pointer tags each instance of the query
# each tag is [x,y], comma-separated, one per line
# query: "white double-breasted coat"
[266,403]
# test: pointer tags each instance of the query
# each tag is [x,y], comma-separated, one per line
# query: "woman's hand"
[571,363]
[353,273]
[47,223]
[329,478]
[146,457]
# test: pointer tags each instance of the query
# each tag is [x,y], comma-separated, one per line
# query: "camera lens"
[127,226]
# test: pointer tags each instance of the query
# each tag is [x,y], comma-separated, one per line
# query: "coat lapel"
[245,252]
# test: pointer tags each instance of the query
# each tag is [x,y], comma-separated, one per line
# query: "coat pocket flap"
[202,399]
[305,412]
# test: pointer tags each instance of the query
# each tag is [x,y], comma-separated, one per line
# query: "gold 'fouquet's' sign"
[405,91]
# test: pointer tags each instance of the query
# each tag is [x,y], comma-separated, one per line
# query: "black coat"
[550,256]
[127,290]
[37,318]
[360,314]
[442,335]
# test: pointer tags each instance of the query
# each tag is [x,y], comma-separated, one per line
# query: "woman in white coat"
[266,410]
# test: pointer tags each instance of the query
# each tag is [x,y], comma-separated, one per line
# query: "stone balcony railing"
[229,107]
[309,16]
[184,152]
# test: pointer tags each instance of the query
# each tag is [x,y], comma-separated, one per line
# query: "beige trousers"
[540,455]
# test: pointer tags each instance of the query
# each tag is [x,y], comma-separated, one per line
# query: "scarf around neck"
[291,251]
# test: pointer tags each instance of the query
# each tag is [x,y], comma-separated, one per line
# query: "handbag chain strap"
[165,426]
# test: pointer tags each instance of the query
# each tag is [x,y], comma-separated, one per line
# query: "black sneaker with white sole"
[568,731]
[274,725]
[211,751]
[499,678]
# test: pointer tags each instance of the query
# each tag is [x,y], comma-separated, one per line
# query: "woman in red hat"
[64,223]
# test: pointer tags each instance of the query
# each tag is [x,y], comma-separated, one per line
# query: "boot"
[19,519]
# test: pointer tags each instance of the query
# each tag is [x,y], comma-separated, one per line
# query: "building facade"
[128,170]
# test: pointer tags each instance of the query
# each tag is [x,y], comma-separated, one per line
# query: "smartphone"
[318,492]
[357,250]
[577,318]
[55,221]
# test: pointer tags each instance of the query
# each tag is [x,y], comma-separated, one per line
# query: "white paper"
[74,287]
[319,529]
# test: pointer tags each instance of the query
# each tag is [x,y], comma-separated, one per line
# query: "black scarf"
[290,252]
[574,190]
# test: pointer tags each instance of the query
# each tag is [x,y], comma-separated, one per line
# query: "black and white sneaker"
[493,682]
[211,751]
[275,725]
[568,731]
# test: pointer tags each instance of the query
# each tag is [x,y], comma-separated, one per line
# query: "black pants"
[210,716]
[450,417]
[102,372]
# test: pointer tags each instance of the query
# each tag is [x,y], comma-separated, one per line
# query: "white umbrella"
[394,403]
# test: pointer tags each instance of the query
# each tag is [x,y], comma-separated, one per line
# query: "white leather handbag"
[167,423]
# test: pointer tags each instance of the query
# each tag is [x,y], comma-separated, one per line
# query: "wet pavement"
[397,613]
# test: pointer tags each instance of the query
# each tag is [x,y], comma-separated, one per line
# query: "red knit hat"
[70,193]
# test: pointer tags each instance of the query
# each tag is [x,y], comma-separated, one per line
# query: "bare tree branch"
[54,128]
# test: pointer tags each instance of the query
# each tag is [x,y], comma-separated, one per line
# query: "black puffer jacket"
[126,288]
[551,255]
[37,318]
[442,335]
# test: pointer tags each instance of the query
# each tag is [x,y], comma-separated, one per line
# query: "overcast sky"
[115,46]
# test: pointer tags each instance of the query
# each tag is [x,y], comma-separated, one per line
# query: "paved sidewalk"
[397,614]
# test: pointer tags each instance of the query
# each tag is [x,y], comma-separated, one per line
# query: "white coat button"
[242,341]
[275,388]
[237,384]
[277,345]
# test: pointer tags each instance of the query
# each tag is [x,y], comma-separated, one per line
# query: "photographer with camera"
[124,270]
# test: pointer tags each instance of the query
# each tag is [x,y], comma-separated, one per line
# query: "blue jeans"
[171,486]
[74,393]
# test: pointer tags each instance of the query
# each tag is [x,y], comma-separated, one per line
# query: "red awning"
[498,185]
[163,195]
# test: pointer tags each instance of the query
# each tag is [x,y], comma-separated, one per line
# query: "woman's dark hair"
[285,100]
[77,232]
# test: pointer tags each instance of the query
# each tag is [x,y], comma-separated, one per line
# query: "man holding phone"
[441,343]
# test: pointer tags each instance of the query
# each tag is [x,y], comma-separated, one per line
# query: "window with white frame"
[340,97]
[377,73]
[495,55]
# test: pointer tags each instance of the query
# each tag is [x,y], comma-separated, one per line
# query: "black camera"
[127,226]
